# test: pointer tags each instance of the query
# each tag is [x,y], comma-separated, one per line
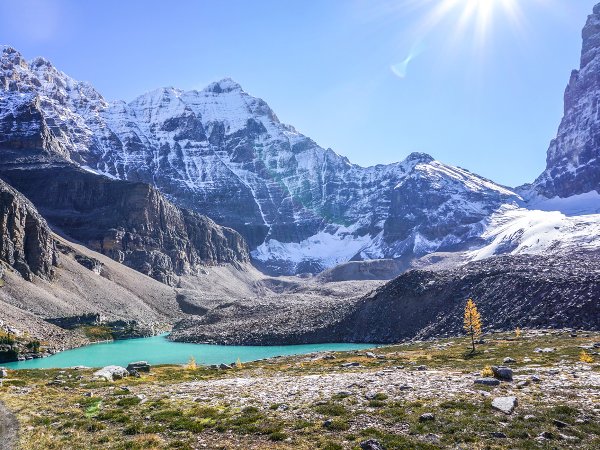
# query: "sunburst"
[477,16]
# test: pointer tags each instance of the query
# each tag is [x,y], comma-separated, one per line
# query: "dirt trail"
[8,429]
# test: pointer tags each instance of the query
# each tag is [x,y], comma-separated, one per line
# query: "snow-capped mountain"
[302,208]
[225,154]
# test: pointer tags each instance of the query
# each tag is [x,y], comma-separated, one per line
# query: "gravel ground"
[8,428]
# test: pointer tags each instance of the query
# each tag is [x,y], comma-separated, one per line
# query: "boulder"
[3,372]
[505,404]
[139,366]
[503,373]
[487,381]
[371,444]
[111,373]
[509,360]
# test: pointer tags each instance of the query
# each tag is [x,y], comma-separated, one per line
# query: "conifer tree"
[472,322]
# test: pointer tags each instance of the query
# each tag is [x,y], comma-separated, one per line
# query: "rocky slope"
[130,222]
[510,291]
[225,154]
[573,161]
[26,242]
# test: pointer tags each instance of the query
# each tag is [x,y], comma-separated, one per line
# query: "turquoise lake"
[159,350]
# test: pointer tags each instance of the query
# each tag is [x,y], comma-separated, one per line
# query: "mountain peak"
[224,85]
[418,157]
[7,49]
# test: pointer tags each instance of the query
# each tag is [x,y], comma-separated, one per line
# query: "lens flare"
[401,69]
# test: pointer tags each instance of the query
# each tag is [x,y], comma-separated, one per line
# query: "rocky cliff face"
[130,222]
[573,161]
[26,242]
[224,153]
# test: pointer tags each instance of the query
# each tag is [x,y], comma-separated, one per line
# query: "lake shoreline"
[161,350]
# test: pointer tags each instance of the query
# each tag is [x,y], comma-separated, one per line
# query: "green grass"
[53,417]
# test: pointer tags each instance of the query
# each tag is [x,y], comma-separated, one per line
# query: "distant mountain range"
[224,154]
[193,188]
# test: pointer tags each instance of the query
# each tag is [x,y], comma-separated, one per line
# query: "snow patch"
[328,249]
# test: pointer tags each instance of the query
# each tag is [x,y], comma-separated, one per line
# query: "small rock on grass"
[427,417]
[487,381]
[371,444]
[350,364]
[560,423]
[505,404]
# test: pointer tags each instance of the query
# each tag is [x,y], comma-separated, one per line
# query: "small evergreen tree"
[472,322]
[191,365]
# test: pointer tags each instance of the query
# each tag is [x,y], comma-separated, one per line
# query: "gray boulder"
[111,373]
[371,444]
[503,373]
[505,404]
[487,381]
[137,367]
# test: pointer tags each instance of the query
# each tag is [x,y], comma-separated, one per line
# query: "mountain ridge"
[224,153]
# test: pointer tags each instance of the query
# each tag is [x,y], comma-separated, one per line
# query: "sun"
[474,15]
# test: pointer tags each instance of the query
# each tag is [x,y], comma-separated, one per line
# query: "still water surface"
[159,350]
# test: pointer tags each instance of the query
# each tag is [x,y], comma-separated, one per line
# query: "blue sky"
[490,105]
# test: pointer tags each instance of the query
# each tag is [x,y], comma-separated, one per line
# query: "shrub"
[487,372]
[337,425]
[585,357]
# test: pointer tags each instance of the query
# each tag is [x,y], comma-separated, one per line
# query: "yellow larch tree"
[472,322]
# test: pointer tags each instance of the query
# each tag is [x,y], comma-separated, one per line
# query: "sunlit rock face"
[225,154]
[573,160]
[26,242]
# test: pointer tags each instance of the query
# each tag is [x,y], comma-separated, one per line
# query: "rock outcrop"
[130,222]
[573,160]
[26,242]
